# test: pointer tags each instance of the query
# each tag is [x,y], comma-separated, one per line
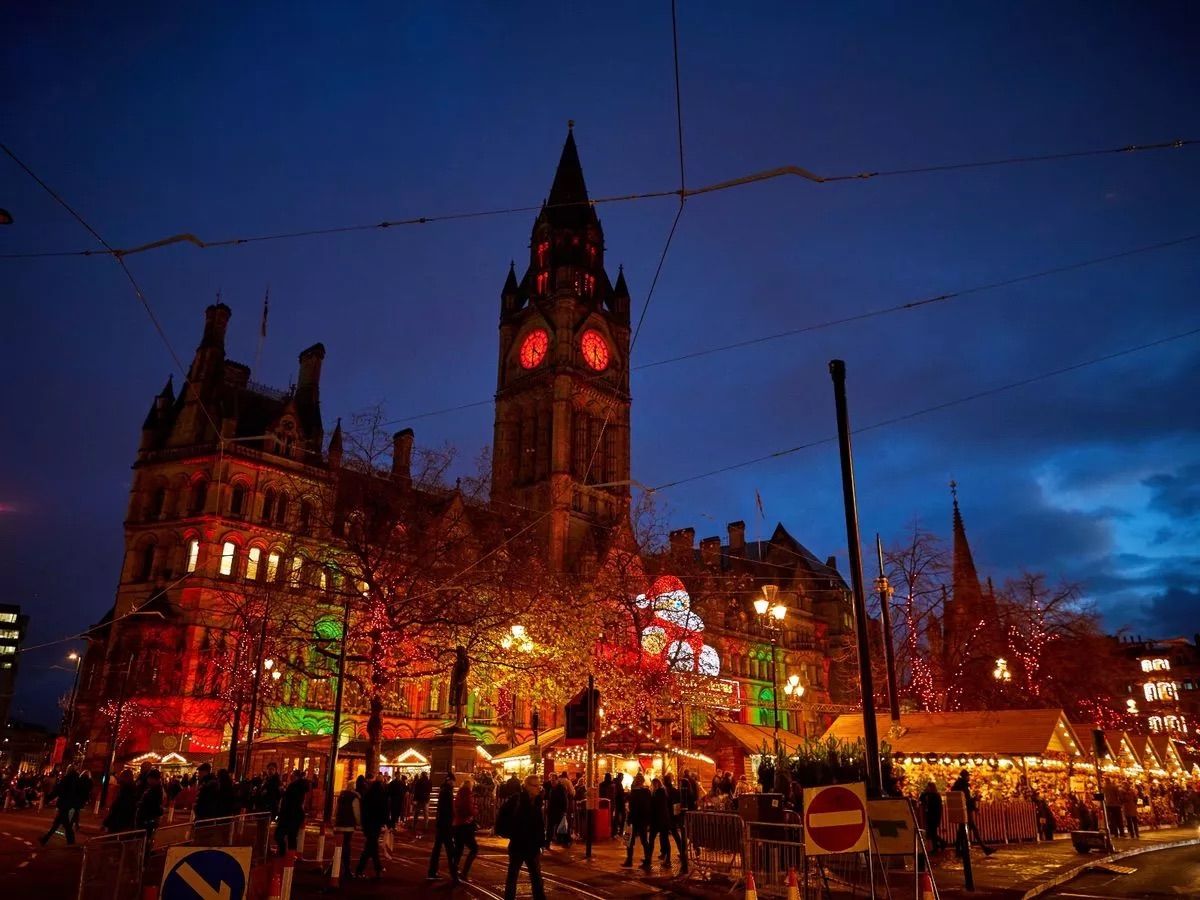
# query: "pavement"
[1014,871]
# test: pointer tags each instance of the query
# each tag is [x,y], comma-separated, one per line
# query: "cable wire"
[1012,385]
[682,192]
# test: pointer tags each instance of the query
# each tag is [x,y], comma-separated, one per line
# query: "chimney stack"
[710,551]
[737,538]
[216,321]
[682,541]
[310,367]
[402,444]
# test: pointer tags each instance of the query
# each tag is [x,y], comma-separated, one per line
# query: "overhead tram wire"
[893,420]
[681,192]
[858,317]
[137,289]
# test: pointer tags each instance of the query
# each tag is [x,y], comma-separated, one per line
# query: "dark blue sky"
[231,121]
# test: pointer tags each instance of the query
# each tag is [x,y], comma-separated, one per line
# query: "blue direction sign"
[206,873]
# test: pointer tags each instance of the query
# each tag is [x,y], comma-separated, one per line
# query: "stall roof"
[1146,752]
[1119,743]
[545,739]
[1015,732]
[1171,758]
[752,738]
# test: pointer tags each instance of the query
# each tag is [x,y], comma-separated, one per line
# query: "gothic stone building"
[229,473]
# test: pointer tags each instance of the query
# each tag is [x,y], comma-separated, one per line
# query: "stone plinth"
[453,750]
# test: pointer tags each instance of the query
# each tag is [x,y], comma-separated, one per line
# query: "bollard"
[388,843]
[170,813]
[300,840]
[336,868]
[926,887]
[96,808]
[321,845]
[289,872]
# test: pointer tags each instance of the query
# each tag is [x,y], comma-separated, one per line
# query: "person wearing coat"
[639,821]
[374,806]
[124,808]
[464,828]
[64,792]
[150,806]
[347,819]
[931,805]
[444,838]
[660,820]
[558,806]
[526,836]
[618,806]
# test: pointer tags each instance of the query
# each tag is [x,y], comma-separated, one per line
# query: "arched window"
[193,554]
[543,282]
[281,508]
[146,563]
[158,499]
[228,556]
[305,516]
[1147,665]
[199,497]
[237,502]
[294,572]
[268,504]
[253,557]
[1155,723]
[272,566]
[1171,723]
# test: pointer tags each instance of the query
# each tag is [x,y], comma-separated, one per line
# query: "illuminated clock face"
[595,350]
[534,347]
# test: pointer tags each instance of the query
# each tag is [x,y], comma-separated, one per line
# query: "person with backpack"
[639,821]
[444,835]
[520,820]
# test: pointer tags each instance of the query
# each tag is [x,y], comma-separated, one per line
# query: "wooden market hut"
[737,747]
[620,749]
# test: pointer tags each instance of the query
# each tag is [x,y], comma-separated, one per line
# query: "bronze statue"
[458,684]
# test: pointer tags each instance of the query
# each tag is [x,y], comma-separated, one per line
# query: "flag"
[266,306]
[758,500]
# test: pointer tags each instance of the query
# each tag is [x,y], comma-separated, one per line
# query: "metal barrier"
[112,867]
[999,821]
[251,830]
[716,842]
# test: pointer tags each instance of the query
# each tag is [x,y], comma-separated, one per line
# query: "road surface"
[1171,873]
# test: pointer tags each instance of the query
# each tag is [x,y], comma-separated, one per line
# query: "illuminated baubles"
[654,640]
[710,662]
[681,656]
[534,347]
[595,350]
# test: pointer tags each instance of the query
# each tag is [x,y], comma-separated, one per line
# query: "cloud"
[1178,494]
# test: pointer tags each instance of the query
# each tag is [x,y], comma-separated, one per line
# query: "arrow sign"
[835,819]
[206,873]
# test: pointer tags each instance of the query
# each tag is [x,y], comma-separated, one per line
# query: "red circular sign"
[835,819]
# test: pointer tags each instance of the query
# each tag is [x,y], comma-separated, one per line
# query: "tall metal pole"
[889,653]
[590,802]
[235,731]
[837,369]
[331,774]
[775,686]
[74,695]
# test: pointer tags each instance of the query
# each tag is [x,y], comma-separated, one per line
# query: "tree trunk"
[374,735]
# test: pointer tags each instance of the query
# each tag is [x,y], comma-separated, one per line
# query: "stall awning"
[752,738]
[1121,748]
[545,739]
[1171,758]
[1022,732]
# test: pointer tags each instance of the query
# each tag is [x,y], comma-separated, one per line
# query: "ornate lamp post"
[793,688]
[772,612]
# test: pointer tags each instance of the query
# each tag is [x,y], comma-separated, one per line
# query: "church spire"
[568,201]
[965,579]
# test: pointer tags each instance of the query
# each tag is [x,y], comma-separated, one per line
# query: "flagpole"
[262,331]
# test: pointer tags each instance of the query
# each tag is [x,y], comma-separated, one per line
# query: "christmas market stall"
[1014,759]
[621,749]
[1134,766]
[738,747]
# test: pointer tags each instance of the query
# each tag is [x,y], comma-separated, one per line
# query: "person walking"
[150,807]
[271,792]
[1112,807]
[618,806]
[444,836]
[422,788]
[397,790]
[963,786]
[1129,806]
[347,819]
[122,813]
[675,809]
[660,821]
[291,813]
[558,811]
[520,819]
[639,822]
[464,828]
[931,806]
[83,794]
[374,816]
[63,794]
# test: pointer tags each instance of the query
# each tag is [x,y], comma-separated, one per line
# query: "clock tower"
[562,389]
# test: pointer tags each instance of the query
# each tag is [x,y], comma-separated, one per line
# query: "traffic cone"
[792,886]
[927,886]
[751,893]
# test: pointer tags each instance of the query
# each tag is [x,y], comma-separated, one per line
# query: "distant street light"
[772,612]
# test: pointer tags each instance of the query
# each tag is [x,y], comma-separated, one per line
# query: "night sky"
[233,121]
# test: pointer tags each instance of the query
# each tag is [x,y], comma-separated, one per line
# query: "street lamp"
[77,659]
[772,612]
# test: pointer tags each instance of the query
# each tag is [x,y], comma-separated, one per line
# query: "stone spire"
[968,597]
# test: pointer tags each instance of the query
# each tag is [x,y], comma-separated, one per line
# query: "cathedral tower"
[562,389]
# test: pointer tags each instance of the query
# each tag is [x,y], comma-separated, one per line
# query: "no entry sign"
[835,819]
